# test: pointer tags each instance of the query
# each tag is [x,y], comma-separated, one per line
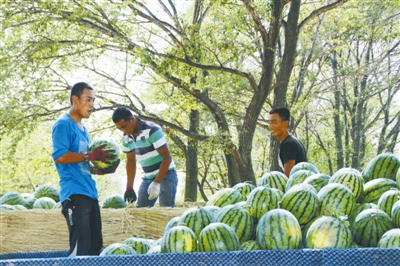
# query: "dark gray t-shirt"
[291,149]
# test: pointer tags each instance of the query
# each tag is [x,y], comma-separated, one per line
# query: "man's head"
[82,99]
[279,122]
[124,120]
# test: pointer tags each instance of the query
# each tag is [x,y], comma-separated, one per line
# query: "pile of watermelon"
[45,197]
[350,209]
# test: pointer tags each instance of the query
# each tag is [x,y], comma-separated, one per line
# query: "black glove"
[108,170]
[130,196]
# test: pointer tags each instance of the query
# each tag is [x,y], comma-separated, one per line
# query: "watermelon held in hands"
[110,144]
[117,249]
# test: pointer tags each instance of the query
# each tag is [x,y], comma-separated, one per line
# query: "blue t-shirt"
[75,178]
[145,147]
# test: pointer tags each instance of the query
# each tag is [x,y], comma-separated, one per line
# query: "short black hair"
[283,113]
[78,88]
[121,113]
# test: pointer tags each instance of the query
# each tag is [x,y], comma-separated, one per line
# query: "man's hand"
[153,190]
[130,196]
[98,154]
[109,170]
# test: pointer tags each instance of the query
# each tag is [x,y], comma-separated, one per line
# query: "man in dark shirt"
[291,150]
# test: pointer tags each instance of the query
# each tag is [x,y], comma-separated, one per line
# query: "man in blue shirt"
[78,193]
[145,141]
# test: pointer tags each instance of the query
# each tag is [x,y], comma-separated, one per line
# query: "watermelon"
[304,166]
[390,239]
[114,202]
[328,232]
[358,209]
[278,229]
[274,179]
[398,178]
[110,144]
[218,237]
[261,200]
[196,218]
[140,245]
[117,249]
[374,189]
[302,201]
[336,200]
[351,178]
[212,209]
[171,223]
[29,199]
[58,205]
[6,207]
[244,188]
[395,214]
[388,199]
[44,203]
[298,177]
[304,230]
[250,245]
[317,180]
[12,198]
[224,197]
[239,219]
[384,165]
[47,190]
[20,207]
[156,249]
[369,226]
[179,239]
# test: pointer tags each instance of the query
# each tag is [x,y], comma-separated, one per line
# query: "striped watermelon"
[279,193]
[298,177]
[304,166]
[179,239]
[390,239]
[47,190]
[244,188]
[239,219]
[395,214]
[212,209]
[140,245]
[224,197]
[304,230]
[388,199]
[110,144]
[196,218]
[398,178]
[117,249]
[374,189]
[114,202]
[156,249]
[44,203]
[384,165]
[278,229]
[358,209]
[317,180]
[274,179]
[261,200]
[302,201]
[20,207]
[171,223]
[328,232]
[12,198]
[369,226]
[336,200]
[6,207]
[218,237]
[250,245]
[351,178]
[28,200]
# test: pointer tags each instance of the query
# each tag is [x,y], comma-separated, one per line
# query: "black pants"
[84,225]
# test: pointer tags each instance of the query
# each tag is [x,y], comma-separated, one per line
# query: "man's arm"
[287,167]
[130,169]
[164,152]
[70,157]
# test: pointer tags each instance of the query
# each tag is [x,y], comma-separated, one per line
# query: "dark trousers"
[84,225]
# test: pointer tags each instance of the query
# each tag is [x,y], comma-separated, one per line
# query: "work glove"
[153,190]
[130,195]
[109,170]
[98,154]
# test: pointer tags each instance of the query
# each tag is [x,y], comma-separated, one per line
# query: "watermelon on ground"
[109,144]
[12,198]
[114,202]
[44,203]
[47,190]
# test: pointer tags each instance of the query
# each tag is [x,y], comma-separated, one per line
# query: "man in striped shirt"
[145,141]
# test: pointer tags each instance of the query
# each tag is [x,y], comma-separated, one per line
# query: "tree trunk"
[191,160]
